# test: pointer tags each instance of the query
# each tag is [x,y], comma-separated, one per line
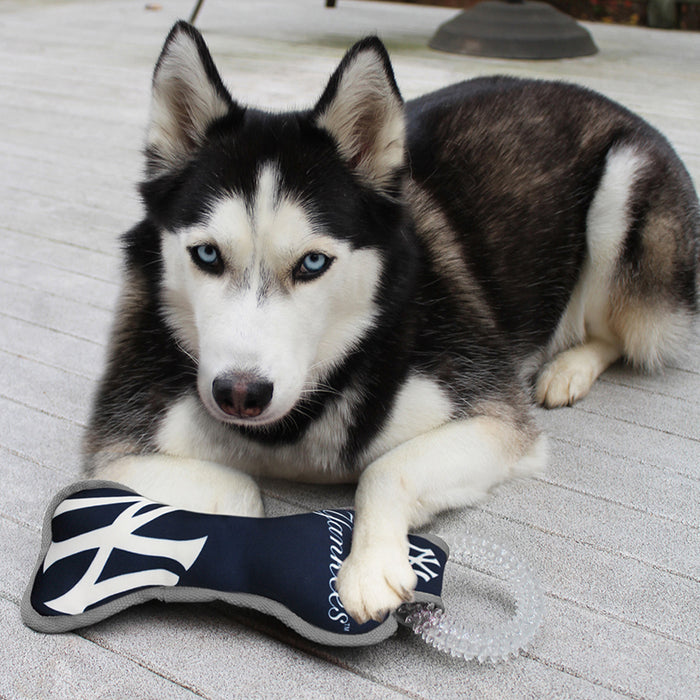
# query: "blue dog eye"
[207,257]
[312,265]
[315,262]
[207,254]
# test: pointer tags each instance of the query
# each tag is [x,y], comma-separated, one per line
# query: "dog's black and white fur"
[375,290]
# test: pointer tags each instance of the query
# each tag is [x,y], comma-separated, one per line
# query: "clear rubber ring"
[502,641]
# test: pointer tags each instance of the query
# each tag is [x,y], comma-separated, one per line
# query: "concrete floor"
[612,529]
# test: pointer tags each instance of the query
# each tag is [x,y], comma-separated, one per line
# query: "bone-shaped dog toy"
[105,548]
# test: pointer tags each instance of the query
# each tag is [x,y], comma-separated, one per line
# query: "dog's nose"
[243,395]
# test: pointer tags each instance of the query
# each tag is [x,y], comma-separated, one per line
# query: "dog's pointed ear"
[187,96]
[363,111]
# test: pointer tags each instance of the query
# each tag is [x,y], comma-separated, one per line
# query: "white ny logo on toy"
[420,559]
[118,535]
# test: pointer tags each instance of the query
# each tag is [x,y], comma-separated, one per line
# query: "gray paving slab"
[68,666]
[641,486]
[231,660]
[40,436]
[53,347]
[81,320]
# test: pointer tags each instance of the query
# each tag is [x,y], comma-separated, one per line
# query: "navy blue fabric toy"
[105,548]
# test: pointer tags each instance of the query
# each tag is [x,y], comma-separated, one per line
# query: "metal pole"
[195,12]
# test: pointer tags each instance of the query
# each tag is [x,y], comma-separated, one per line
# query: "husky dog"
[376,291]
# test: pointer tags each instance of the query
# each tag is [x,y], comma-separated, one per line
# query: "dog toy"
[105,548]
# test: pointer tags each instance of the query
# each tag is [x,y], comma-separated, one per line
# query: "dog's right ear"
[187,96]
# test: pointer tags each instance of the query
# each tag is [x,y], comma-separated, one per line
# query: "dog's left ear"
[362,109]
[187,97]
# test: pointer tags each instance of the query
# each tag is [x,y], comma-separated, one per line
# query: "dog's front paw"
[375,581]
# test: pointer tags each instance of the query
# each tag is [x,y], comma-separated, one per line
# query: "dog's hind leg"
[451,466]
[636,295]
[191,484]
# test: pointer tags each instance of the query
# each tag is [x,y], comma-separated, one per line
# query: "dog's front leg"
[191,484]
[453,465]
